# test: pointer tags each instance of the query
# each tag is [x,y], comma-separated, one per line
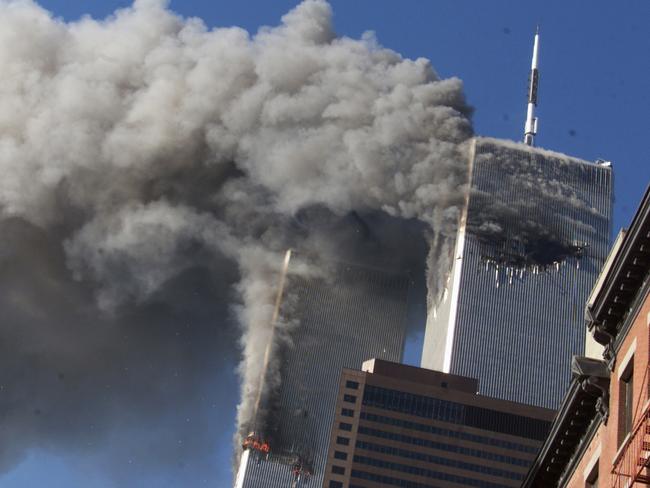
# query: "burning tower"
[533,236]
[342,314]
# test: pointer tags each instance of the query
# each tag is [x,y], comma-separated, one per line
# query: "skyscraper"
[532,239]
[345,314]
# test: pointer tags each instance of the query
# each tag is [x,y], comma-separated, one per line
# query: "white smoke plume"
[146,145]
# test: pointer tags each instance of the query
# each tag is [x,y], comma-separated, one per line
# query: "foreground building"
[601,435]
[398,425]
[533,236]
[344,314]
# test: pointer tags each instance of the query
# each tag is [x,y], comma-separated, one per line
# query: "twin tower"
[532,238]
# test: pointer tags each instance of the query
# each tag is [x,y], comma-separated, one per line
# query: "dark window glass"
[340,455]
[336,484]
[349,398]
[344,441]
[627,402]
[397,467]
[456,413]
[345,426]
[352,384]
[448,432]
[433,459]
[592,479]
[419,441]
[338,470]
[347,412]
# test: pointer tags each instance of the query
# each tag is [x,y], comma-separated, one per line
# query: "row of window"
[409,403]
[338,484]
[429,458]
[457,413]
[448,432]
[467,451]
[387,480]
[344,441]
[428,473]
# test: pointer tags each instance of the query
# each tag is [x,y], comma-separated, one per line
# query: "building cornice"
[584,408]
[611,307]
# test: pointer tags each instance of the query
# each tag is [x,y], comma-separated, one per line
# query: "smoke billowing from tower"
[144,156]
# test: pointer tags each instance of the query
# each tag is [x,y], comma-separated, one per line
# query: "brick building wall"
[608,444]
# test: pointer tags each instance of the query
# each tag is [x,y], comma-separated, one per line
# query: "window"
[336,484]
[431,459]
[626,401]
[455,413]
[345,426]
[592,479]
[349,398]
[340,455]
[419,441]
[347,412]
[445,432]
[352,384]
[338,470]
[344,441]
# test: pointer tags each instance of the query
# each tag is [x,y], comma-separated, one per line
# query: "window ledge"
[621,447]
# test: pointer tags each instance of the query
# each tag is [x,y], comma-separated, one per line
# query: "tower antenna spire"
[530,129]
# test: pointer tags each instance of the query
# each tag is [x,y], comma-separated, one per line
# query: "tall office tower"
[343,315]
[532,239]
[403,426]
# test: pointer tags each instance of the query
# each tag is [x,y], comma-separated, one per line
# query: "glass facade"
[455,413]
[338,327]
[442,446]
[454,434]
[440,460]
[535,237]
[424,472]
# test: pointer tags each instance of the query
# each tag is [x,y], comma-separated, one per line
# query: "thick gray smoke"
[145,153]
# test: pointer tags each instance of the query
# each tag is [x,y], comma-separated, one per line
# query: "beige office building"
[398,425]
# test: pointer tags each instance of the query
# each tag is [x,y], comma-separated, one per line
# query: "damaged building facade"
[532,239]
[601,434]
[344,313]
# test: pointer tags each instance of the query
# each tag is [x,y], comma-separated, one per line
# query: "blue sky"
[594,102]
